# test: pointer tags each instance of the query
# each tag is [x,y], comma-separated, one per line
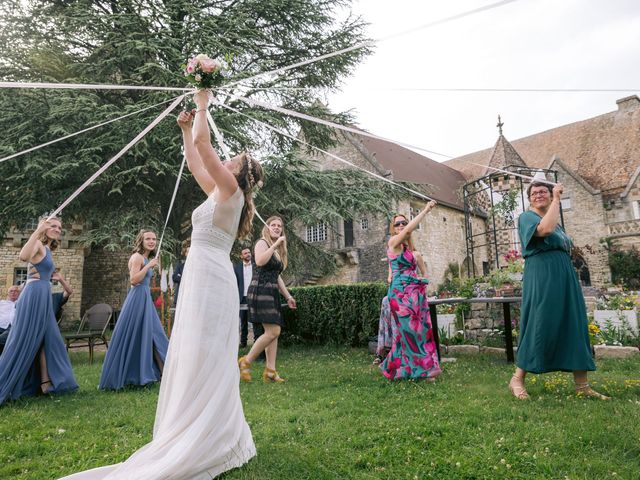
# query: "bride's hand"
[185,120]
[201,98]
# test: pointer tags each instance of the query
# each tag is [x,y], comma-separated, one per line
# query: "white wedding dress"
[200,429]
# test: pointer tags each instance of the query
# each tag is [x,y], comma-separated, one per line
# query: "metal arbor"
[497,198]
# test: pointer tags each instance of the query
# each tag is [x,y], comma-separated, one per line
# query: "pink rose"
[190,68]
[209,66]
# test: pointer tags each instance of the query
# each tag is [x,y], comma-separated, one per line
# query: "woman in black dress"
[263,299]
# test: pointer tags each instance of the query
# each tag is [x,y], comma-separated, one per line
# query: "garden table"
[506,308]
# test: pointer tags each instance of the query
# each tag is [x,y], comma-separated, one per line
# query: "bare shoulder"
[261,245]
[136,259]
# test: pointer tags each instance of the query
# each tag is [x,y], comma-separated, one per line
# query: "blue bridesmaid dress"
[35,326]
[130,357]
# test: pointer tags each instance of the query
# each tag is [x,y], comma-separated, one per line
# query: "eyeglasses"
[541,193]
[401,222]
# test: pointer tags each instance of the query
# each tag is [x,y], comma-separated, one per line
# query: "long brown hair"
[50,242]
[282,248]
[249,175]
[138,244]
[408,239]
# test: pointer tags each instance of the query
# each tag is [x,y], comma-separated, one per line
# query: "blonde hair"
[408,239]
[249,175]
[50,242]
[138,244]
[282,248]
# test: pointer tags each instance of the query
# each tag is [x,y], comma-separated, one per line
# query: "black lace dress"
[263,297]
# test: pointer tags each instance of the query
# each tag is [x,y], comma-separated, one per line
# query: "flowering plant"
[512,255]
[595,334]
[204,72]
[617,302]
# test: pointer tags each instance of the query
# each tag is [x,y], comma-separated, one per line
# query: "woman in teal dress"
[413,353]
[553,327]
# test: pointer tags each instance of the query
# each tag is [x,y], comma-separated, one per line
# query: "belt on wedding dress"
[213,237]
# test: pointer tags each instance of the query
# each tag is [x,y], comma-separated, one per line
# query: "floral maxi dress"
[413,353]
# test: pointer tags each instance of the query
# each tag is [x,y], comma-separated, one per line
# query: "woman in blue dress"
[35,359]
[138,345]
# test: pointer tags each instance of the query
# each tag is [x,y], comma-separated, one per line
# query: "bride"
[200,430]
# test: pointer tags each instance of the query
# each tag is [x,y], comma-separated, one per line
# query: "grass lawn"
[337,418]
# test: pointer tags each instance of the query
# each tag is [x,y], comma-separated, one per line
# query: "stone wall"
[70,261]
[106,278]
[440,239]
[623,218]
[68,257]
[585,223]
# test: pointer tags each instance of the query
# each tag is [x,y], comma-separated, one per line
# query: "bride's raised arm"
[194,162]
[223,178]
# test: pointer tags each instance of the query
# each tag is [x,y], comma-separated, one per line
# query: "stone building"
[598,161]
[96,275]
[69,257]
[360,242]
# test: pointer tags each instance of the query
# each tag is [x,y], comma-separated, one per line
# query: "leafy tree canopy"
[144,42]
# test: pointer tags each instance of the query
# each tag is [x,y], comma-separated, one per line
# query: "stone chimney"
[628,104]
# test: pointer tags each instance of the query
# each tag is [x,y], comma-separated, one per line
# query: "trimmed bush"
[625,268]
[334,314]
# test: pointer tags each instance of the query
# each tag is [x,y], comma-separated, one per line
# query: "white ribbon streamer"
[526,177]
[260,218]
[218,135]
[88,86]
[286,134]
[225,150]
[171,277]
[101,170]
[357,46]
[173,199]
[78,133]
[163,281]
[327,123]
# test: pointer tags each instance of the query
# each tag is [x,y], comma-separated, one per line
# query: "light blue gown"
[34,326]
[130,357]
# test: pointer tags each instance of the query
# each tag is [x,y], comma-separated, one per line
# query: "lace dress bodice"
[215,224]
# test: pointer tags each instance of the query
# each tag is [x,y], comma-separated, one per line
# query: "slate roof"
[603,150]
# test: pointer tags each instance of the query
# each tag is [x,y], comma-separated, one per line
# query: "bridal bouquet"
[204,72]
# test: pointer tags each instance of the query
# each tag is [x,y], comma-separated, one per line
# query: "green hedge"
[334,314]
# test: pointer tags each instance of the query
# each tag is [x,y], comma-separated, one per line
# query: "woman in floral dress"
[413,354]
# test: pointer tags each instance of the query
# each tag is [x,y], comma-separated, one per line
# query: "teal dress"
[553,322]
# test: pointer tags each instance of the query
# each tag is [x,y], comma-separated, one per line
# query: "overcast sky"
[530,44]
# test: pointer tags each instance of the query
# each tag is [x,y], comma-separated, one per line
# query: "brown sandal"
[518,391]
[270,375]
[245,369]
[584,390]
